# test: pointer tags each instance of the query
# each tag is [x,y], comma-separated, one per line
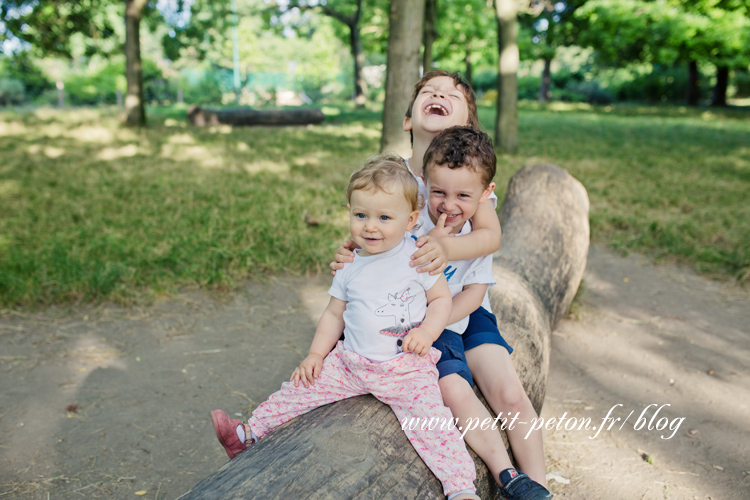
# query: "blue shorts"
[482,329]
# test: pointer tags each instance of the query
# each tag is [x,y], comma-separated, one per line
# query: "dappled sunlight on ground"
[182,138]
[115,153]
[9,188]
[100,135]
[48,151]
[266,166]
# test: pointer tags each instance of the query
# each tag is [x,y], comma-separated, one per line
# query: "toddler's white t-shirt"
[385,299]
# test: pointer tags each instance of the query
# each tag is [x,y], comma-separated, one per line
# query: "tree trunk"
[248,117]
[358,54]
[467,65]
[720,89]
[506,124]
[430,33]
[404,41]
[355,448]
[544,87]
[693,92]
[135,111]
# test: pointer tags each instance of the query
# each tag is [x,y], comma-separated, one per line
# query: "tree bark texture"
[404,41]
[248,117]
[358,54]
[720,89]
[135,111]
[355,449]
[693,92]
[430,33]
[467,64]
[506,124]
[544,87]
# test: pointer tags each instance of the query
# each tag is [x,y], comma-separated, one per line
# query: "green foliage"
[662,84]
[667,31]
[742,83]
[21,67]
[62,27]
[203,88]
[12,92]
[95,87]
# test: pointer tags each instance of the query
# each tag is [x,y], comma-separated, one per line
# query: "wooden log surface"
[248,117]
[356,448]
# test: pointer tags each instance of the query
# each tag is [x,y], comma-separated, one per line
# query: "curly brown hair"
[457,147]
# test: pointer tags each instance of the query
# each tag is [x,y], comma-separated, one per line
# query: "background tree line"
[599,51]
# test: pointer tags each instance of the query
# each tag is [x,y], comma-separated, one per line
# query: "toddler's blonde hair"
[384,172]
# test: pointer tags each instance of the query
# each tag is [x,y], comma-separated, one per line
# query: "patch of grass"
[668,181]
[93,212]
[90,211]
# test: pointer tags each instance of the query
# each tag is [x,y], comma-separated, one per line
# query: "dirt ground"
[114,403]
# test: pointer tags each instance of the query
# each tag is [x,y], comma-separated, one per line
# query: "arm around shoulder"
[484,239]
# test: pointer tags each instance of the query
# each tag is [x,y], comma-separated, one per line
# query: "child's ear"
[407,124]
[413,218]
[487,192]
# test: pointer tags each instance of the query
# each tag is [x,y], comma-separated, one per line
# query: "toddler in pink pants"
[390,316]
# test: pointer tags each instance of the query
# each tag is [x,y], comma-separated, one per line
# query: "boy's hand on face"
[344,254]
[418,340]
[432,255]
[307,371]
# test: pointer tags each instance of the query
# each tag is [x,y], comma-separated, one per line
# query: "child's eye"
[359,216]
[384,217]
[464,195]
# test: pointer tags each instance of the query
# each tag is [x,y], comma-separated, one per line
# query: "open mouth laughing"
[436,109]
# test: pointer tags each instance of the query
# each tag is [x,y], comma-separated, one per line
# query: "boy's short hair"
[460,82]
[382,171]
[457,147]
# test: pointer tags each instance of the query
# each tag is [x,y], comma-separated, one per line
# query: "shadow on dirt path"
[105,403]
[112,403]
[666,345]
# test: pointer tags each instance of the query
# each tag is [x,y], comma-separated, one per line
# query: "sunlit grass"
[670,181]
[90,211]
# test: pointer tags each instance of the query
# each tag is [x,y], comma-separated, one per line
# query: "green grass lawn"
[92,212]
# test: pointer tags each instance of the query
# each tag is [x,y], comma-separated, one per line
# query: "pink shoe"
[226,432]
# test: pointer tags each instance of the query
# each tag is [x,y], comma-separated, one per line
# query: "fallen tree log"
[356,448]
[249,117]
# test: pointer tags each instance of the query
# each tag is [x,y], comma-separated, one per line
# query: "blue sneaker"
[519,486]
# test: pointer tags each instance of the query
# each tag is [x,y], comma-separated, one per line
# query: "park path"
[113,403]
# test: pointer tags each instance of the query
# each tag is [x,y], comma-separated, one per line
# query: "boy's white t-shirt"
[460,273]
[385,299]
[424,225]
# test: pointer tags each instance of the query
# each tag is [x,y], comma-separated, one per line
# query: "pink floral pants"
[408,384]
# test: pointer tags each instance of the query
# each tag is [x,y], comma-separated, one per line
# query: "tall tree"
[430,32]
[466,31]
[51,26]
[506,122]
[670,32]
[135,111]
[350,14]
[404,41]
[551,26]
